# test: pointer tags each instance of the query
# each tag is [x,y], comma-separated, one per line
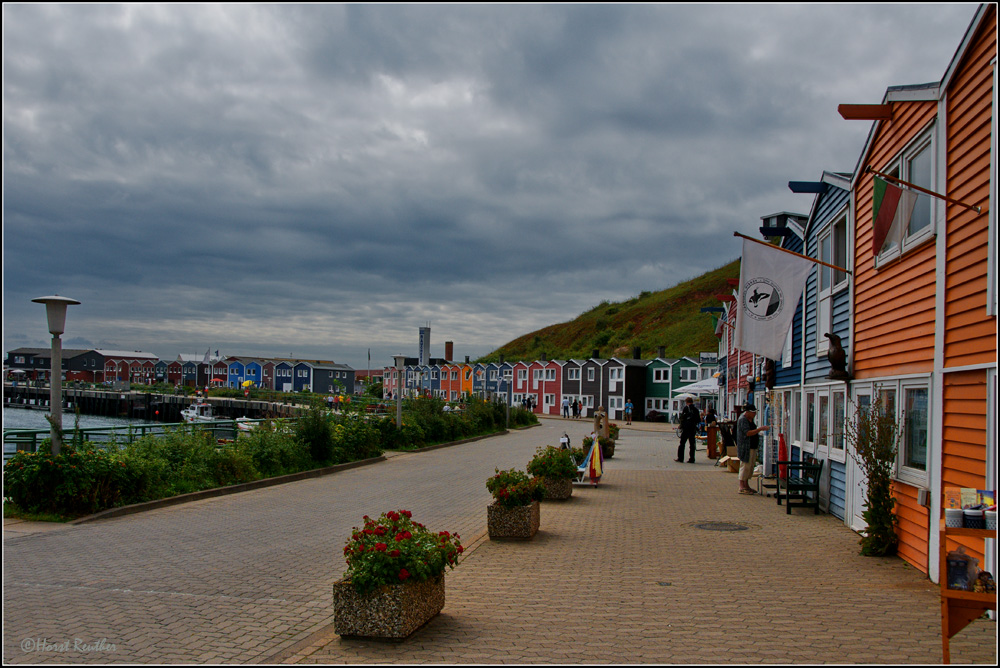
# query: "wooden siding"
[914,526]
[894,306]
[838,489]
[970,334]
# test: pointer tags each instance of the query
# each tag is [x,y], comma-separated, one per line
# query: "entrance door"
[856,478]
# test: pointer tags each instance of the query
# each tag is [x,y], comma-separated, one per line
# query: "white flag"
[771,282]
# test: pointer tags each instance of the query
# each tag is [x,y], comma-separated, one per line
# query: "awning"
[704,386]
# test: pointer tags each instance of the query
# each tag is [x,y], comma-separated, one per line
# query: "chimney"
[449,350]
[543,358]
[501,359]
[595,354]
[466,359]
[637,353]
[661,351]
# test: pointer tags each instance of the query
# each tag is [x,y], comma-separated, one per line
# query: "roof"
[133,354]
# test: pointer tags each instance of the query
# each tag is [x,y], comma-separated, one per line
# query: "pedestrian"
[329,402]
[565,406]
[576,409]
[628,411]
[710,417]
[689,427]
[747,444]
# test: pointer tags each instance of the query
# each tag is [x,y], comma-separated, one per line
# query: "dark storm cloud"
[320,179]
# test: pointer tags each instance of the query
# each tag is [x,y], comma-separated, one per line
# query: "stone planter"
[520,523]
[557,489]
[391,612]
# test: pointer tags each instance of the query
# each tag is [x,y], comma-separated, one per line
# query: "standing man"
[689,427]
[565,406]
[747,444]
[628,411]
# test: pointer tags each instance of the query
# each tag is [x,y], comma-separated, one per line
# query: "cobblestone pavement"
[619,573]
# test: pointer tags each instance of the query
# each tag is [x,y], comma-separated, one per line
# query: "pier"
[148,406]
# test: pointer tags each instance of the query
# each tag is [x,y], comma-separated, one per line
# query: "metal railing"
[31,439]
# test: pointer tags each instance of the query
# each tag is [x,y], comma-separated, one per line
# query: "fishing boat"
[199,411]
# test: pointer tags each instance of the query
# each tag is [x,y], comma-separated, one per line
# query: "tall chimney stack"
[661,351]
[595,354]
[637,353]
[449,350]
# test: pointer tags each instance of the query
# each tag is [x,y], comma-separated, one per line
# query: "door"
[857,482]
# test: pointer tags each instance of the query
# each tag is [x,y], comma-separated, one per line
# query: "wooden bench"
[803,479]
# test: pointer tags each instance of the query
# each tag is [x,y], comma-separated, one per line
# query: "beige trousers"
[746,468]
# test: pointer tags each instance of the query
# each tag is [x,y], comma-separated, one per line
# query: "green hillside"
[671,318]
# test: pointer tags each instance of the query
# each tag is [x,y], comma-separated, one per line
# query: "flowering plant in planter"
[613,431]
[513,488]
[555,463]
[394,549]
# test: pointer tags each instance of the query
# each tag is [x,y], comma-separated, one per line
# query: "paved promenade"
[619,573]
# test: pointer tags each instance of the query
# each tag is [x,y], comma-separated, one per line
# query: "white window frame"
[661,375]
[590,374]
[807,412]
[899,165]
[828,282]
[904,473]
[573,374]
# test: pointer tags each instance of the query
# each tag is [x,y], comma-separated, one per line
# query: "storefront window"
[915,428]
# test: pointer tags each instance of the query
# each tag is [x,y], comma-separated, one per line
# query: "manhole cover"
[720,526]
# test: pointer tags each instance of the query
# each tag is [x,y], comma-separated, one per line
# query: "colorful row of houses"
[103,366]
[650,385]
[917,318]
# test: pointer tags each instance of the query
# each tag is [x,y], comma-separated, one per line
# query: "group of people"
[337,401]
[747,438]
[574,407]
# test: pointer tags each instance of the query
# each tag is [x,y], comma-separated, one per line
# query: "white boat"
[244,424]
[199,411]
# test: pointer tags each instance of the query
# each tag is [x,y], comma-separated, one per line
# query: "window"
[810,418]
[838,436]
[823,420]
[914,445]
[690,374]
[833,250]
[616,374]
[916,165]
[661,375]
[507,374]
[550,374]
[434,375]
[590,374]
[522,374]
[573,374]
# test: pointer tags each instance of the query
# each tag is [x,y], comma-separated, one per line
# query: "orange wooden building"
[924,310]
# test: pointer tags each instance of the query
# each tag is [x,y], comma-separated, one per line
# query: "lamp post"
[400,359]
[55,311]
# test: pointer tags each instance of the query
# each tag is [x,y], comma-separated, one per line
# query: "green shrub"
[513,488]
[274,450]
[315,431]
[550,462]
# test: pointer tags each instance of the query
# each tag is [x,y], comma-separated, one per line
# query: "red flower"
[381,547]
[394,553]
[461,549]
[406,513]
[444,534]
[403,573]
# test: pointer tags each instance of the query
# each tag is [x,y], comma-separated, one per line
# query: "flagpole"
[785,250]
[923,190]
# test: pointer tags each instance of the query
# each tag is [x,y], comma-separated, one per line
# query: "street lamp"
[400,359]
[55,311]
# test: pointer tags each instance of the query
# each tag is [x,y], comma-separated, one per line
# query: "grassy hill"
[670,318]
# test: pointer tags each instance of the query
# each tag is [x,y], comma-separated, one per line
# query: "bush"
[70,483]
[394,548]
[315,431]
[555,463]
[273,450]
[513,488]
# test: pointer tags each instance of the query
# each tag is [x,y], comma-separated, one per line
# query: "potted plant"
[557,470]
[394,582]
[613,431]
[514,513]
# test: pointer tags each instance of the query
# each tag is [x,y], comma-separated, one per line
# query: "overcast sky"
[318,180]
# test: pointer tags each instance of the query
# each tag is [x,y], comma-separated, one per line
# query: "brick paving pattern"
[619,573]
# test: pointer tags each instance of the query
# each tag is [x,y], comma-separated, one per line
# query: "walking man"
[689,427]
[565,405]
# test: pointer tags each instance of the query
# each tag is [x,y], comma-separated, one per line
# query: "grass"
[11,511]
